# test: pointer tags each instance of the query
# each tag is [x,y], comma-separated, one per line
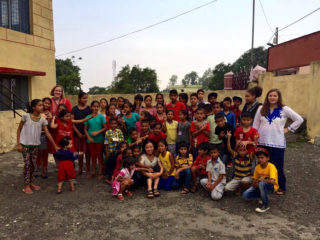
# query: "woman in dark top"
[252,104]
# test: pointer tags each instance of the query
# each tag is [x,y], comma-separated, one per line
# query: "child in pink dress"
[123,182]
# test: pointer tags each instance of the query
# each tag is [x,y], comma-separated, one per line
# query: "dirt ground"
[92,213]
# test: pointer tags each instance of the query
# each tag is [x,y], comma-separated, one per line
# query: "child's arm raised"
[230,150]
[53,123]
[82,120]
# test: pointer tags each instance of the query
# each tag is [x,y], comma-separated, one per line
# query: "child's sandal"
[59,191]
[150,194]
[194,189]
[156,192]
[185,191]
[128,193]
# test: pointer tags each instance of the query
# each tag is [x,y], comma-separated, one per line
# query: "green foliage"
[97,90]
[191,78]
[217,81]
[173,80]
[68,75]
[243,63]
[135,80]
[206,78]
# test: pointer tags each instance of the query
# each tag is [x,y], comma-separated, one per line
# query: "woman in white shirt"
[270,121]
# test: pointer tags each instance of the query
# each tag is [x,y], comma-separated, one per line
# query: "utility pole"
[252,42]
[275,39]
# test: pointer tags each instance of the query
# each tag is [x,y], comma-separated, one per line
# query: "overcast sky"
[220,32]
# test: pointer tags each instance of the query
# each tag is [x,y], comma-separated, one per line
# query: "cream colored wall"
[221,95]
[35,52]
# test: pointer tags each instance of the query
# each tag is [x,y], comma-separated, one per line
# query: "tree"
[243,63]
[217,81]
[173,80]
[206,79]
[135,80]
[97,90]
[68,75]
[191,78]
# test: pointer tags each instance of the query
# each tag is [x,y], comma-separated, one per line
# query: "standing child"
[160,99]
[80,143]
[221,130]
[183,163]
[145,115]
[129,120]
[231,118]
[200,164]
[246,134]
[120,105]
[113,138]
[103,107]
[170,127]
[193,107]
[148,106]
[42,159]
[138,99]
[265,180]
[161,114]
[184,129]
[213,137]
[235,108]
[175,105]
[28,141]
[66,157]
[153,168]
[199,130]
[242,167]
[212,98]
[183,97]
[94,130]
[123,182]
[167,161]
[216,175]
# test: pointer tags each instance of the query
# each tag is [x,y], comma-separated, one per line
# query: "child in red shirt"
[175,105]
[200,129]
[246,134]
[157,135]
[198,168]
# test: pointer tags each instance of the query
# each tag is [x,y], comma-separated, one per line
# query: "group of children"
[166,146]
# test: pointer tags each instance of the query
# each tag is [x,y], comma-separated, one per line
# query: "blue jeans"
[277,159]
[262,191]
[166,184]
[184,177]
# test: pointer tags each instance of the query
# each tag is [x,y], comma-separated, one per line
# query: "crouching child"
[216,171]
[265,180]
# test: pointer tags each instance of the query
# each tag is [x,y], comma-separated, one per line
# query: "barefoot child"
[94,130]
[216,171]
[80,143]
[66,158]
[167,161]
[242,167]
[28,140]
[265,180]
[183,163]
[200,164]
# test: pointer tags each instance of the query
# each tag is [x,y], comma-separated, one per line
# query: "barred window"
[13,92]
[15,14]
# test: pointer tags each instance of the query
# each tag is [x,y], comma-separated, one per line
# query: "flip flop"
[27,192]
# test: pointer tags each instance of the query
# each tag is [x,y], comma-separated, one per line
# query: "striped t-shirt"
[242,165]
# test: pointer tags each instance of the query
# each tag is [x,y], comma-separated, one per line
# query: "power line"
[265,16]
[298,20]
[139,30]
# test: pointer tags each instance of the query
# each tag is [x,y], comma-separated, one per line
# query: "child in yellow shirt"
[265,180]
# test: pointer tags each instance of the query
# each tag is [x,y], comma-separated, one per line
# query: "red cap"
[262,150]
